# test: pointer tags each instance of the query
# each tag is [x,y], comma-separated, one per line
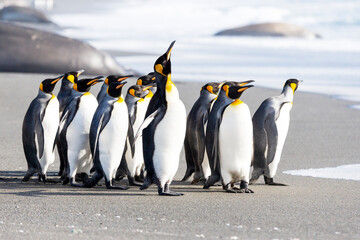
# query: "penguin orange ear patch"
[210,89]
[159,68]
[293,86]
[225,87]
[132,92]
[71,78]
[139,82]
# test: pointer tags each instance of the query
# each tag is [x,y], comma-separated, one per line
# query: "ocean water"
[329,65]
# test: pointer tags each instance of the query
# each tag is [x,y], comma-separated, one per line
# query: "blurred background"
[316,41]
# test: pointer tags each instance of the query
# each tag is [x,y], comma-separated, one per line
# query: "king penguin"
[75,128]
[194,143]
[145,80]
[108,134]
[212,131]
[135,98]
[235,140]
[110,79]
[271,123]
[164,129]
[63,97]
[39,130]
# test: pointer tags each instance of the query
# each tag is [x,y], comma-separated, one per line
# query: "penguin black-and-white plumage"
[63,97]
[212,131]
[271,123]
[146,80]
[235,140]
[39,130]
[108,134]
[164,129]
[110,79]
[135,99]
[194,143]
[75,128]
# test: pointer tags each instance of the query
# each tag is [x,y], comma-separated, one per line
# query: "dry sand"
[323,132]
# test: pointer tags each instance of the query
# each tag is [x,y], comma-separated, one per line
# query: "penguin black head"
[72,76]
[84,85]
[48,85]
[293,83]
[139,91]
[114,89]
[212,87]
[235,91]
[163,63]
[146,79]
[116,78]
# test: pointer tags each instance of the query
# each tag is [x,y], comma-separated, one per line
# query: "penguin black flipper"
[149,147]
[28,137]
[66,118]
[272,136]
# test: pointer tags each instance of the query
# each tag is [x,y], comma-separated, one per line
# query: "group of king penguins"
[141,136]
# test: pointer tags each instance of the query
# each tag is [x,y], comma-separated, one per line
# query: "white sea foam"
[345,172]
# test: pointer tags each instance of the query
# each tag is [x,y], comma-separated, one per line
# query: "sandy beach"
[323,132]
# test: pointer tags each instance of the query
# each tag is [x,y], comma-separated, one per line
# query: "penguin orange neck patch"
[120,100]
[237,102]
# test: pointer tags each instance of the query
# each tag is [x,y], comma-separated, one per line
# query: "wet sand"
[323,132]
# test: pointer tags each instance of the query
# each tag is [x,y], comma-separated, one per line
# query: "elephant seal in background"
[270,30]
[25,49]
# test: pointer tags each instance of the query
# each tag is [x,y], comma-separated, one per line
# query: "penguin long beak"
[120,85]
[168,52]
[245,82]
[244,88]
[80,72]
[57,79]
[95,81]
[123,78]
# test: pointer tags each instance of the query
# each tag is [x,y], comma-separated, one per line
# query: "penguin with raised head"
[108,134]
[212,131]
[194,143]
[110,79]
[75,128]
[271,123]
[63,97]
[235,140]
[135,98]
[163,129]
[39,129]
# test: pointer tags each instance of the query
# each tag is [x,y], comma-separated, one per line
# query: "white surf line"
[344,172]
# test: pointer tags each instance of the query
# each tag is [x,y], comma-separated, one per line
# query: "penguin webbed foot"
[211,181]
[132,182]
[146,183]
[270,181]
[139,178]
[166,191]
[244,188]
[188,173]
[109,185]
[73,183]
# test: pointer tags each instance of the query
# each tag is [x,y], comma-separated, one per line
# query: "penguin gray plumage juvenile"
[75,128]
[194,143]
[110,79]
[212,131]
[108,134]
[271,124]
[63,97]
[235,141]
[39,129]
[163,129]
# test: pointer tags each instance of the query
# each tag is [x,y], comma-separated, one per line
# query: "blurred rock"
[270,30]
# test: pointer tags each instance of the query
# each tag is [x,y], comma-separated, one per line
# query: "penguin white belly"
[50,125]
[236,143]
[282,125]
[205,164]
[77,136]
[168,138]
[138,159]
[112,140]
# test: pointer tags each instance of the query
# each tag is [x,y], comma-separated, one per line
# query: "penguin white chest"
[168,138]
[236,143]
[112,138]
[282,125]
[50,125]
